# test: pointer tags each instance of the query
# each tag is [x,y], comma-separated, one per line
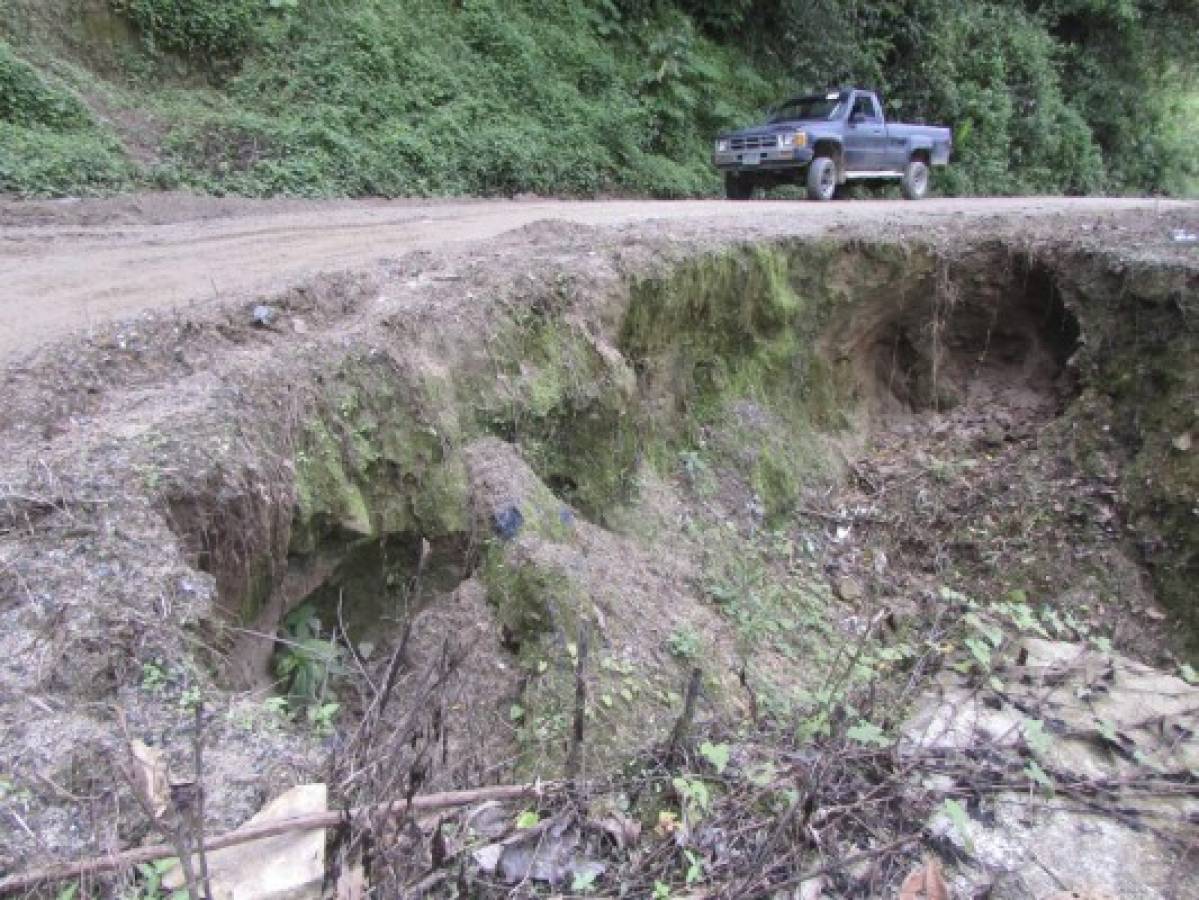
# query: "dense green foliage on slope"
[574,96]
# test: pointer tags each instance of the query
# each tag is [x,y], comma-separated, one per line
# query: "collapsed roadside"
[823,472]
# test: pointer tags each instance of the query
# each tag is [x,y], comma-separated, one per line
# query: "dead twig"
[198,804]
[333,818]
[772,889]
[682,728]
[574,758]
[144,784]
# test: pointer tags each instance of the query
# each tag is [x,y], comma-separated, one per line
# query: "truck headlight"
[722,145]
[793,139]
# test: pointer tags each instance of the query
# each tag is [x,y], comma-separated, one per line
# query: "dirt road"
[66,266]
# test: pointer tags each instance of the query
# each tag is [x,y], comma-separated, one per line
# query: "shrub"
[25,99]
[212,29]
[581,97]
[40,162]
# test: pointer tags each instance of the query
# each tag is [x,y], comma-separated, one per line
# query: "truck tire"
[822,179]
[737,188]
[915,180]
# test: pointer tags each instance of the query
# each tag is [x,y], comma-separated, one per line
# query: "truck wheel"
[737,188]
[915,180]
[822,179]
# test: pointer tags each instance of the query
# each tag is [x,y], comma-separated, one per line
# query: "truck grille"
[759,142]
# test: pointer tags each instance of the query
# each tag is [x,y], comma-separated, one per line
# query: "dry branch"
[99,864]
[574,759]
[682,728]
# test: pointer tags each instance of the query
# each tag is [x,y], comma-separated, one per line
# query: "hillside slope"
[379,97]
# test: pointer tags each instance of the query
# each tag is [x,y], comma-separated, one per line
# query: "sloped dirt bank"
[729,456]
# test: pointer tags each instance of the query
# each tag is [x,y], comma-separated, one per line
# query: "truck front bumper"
[747,161]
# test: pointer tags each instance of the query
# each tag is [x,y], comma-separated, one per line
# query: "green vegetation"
[48,141]
[210,29]
[419,97]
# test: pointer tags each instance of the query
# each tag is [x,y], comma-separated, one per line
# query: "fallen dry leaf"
[351,883]
[150,776]
[668,823]
[925,883]
[623,830]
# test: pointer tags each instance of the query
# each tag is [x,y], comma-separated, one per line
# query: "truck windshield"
[807,108]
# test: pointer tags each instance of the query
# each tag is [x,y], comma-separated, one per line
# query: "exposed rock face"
[1116,742]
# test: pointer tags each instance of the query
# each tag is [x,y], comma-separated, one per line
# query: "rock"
[264,316]
[488,858]
[507,522]
[847,589]
[1094,716]
[299,326]
[1182,443]
[490,820]
[290,865]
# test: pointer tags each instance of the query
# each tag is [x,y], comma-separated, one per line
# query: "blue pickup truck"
[826,140]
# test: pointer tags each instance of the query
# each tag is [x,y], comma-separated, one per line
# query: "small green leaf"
[1187,671]
[694,792]
[1039,775]
[1054,621]
[583,881]
[527,819]
[1106,730]
[868,733]
[516,712]
[1035,736]
[951,596]
[716,754]
[542,665]
[992,633]
[961,821]
[981,653]
[762,775]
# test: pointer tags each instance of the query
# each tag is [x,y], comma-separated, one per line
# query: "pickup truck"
[826,140]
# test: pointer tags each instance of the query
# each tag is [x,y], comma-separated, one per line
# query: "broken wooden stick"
[112,862]
[575,757]
[682,728]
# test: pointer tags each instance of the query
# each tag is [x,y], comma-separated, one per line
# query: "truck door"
[865,135]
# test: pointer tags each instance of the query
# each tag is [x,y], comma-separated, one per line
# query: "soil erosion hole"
[1003,343]
[761,351]
[364,594]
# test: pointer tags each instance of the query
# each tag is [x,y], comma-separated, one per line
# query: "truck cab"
[826,140]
